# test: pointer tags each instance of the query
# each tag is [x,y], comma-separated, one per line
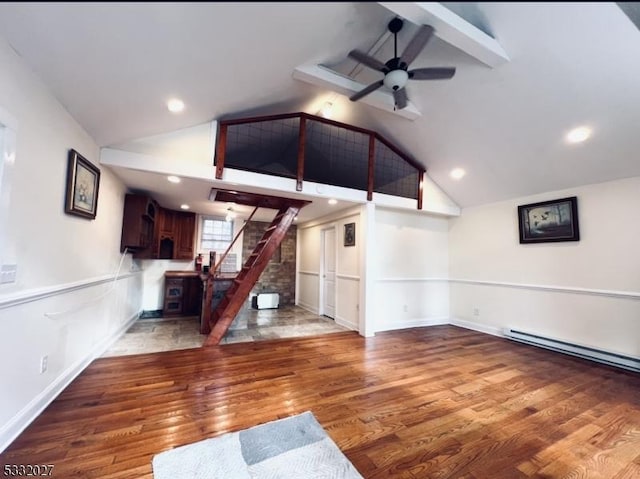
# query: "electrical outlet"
[405,308]
[476,312]
[8,273]
[44,364]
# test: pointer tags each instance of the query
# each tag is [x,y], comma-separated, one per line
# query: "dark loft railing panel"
[336,156]
[392,174]
[269,147]
[308,147]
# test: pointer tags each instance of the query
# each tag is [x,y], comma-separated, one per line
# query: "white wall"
[348,268]
[65,264]
[585,292]
[412,262]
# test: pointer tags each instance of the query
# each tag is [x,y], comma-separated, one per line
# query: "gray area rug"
[295,447]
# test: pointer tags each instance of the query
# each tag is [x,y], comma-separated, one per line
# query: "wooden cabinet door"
[137,225]
[173,296]
[192,296]
[185,226]
[167,223]
[165,238]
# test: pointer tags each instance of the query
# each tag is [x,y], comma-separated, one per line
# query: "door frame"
[321,293]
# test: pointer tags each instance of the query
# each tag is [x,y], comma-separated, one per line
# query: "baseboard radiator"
[605,357]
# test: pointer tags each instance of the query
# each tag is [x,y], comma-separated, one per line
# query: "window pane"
[217,234]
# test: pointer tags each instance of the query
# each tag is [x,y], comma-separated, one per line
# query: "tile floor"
[166,334]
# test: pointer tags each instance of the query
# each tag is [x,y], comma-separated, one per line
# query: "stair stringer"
[236,296]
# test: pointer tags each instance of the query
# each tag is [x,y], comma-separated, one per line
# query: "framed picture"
[83,182]
[549,221]
[350,234]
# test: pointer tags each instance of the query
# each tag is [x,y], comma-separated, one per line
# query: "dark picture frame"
[350,234]
[83,185]
[549,221]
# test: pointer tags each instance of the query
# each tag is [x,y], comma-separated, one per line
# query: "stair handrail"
[224,255]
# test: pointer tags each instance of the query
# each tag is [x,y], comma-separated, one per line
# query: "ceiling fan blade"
[431,73]
[368,61]
[371,88]
[400,97]
[416,45]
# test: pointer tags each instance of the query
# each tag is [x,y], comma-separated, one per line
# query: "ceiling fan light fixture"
[230,215]
[396,72]
[396,79]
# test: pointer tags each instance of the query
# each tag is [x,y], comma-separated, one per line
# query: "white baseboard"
[308,307]
[413,323]
[483,328]
[18,423]
[347,324]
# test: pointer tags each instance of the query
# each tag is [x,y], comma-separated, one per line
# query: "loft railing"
[312,148]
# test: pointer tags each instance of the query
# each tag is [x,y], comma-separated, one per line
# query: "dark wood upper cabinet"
[167,222]
[138,222]
[166,234]
[185,229]
[153,232]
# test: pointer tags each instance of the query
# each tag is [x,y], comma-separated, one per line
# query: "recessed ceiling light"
[173,179]
[333,201]
[184,207]
[578,135]
[175,105]
[457,173]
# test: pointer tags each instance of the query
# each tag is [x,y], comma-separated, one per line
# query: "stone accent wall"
[278,277]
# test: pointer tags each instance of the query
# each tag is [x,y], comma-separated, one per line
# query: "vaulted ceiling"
[114,66]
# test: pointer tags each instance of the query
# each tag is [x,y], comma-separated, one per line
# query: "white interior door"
[329,272]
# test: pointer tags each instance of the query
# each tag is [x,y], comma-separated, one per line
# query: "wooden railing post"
[301,140]
[371,173]
[221,149]
[420,188]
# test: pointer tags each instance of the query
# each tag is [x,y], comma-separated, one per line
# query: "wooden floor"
[438,402]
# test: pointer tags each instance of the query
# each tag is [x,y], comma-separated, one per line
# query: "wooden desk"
[182,293]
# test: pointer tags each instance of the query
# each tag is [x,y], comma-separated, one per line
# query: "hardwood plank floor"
[437,402]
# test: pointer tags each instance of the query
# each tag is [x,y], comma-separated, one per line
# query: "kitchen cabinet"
[166,234]
[138,222]
[182,293]
[153,232]
[176,235]
[185,228]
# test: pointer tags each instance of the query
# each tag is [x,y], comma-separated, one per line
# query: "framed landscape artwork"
[549,221]
[83,182]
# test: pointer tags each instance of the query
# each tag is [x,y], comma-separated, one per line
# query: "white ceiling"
[114,65]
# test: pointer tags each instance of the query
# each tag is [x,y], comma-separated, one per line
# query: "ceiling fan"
[395,71]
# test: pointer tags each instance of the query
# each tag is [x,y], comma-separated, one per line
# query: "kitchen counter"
[203,276]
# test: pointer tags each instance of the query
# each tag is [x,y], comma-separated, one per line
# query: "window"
[8,129]
[217,234]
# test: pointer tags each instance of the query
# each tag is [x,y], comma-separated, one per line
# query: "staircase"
[237,294]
